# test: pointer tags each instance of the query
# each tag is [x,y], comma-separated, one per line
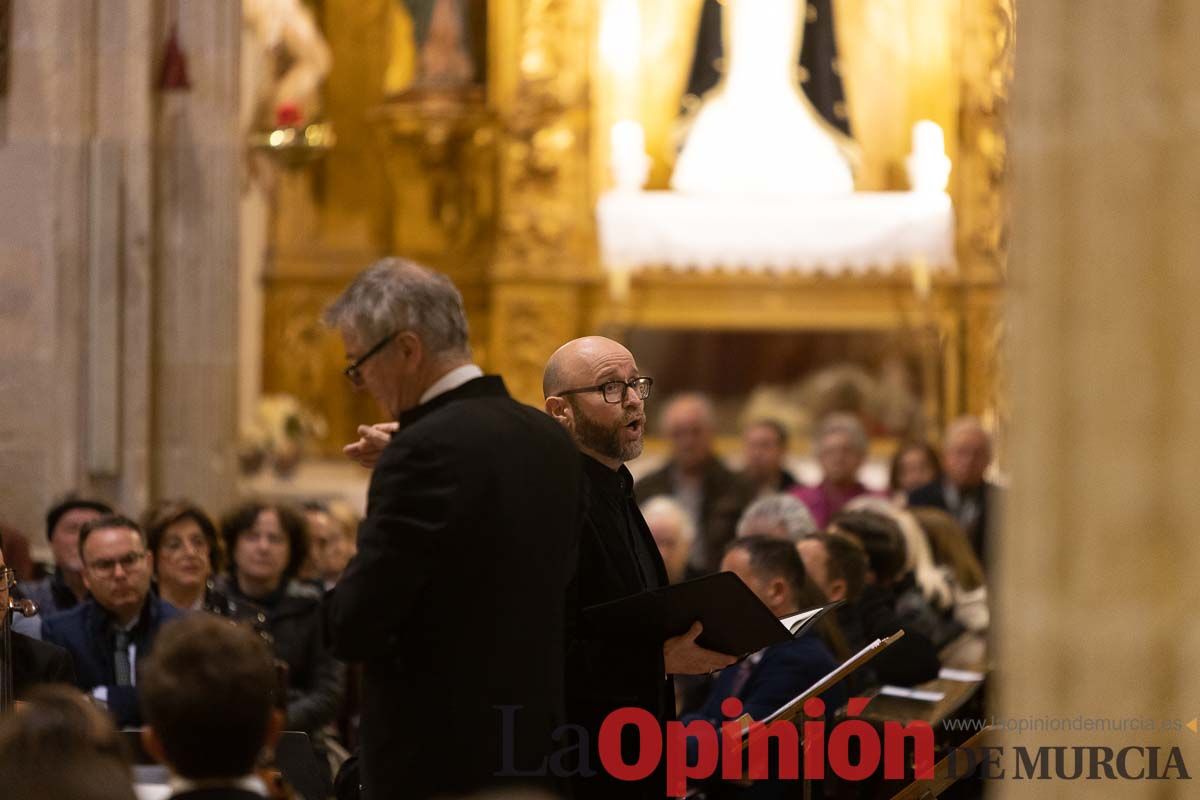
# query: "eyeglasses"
[107,566]
[614,391]
[352,372]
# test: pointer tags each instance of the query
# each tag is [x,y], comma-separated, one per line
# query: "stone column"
[1096,585]
[117,257]
[199,154]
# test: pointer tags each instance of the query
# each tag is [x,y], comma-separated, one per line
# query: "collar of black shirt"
[615,483]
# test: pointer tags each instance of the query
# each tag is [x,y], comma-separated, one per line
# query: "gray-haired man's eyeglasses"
[352,372]
[614,391]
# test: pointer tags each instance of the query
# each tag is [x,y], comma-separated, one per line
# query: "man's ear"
[777,589]
[561,411]
[152,745]
[275,725]
[410,344]
[837,590]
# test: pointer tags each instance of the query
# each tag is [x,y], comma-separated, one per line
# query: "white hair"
[395,294]
[779,509]
[664,508]
[932,581]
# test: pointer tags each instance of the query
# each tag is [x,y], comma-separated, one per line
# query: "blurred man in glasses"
[111,632]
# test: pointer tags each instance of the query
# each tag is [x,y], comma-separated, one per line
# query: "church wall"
[117,247]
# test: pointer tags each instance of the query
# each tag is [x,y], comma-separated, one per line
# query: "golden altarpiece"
[497,184]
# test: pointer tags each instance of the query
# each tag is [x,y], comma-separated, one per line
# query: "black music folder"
[735,621]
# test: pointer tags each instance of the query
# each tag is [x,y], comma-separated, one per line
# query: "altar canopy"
[850,233]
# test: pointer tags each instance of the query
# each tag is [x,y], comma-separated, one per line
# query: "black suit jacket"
[37,662]
[933,495]
[456,599]
[725,496]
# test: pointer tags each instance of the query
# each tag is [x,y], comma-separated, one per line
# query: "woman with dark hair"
[188,555]
[914,465]
[268,543]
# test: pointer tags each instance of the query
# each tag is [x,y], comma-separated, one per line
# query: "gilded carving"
[545,217]
[983,166]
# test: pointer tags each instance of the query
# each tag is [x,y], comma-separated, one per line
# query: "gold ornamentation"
[983,162]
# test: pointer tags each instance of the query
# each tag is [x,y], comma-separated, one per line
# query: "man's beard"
[606,440]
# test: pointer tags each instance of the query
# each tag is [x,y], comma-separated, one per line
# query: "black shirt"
[617,558]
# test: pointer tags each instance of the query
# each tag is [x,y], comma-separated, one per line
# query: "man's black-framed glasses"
[352,372]
[614,391]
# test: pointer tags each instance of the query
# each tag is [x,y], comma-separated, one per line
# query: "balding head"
[968,451]
[573,364]
[690,423]
[611,433]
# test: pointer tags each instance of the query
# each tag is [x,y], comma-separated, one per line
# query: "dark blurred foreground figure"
[34,662]
[208,701]
[58,746]
[456,599]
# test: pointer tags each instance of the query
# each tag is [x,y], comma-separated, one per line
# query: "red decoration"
[288,115]
[174,76]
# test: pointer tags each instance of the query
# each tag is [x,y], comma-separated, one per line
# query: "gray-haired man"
[455,601]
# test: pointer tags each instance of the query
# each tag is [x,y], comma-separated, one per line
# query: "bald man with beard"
[593,388]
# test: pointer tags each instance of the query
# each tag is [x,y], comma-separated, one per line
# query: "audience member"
[673,532]
[920,592]
[188,555]
[768,679]
[20,559]
[780,516]
[962,490]
[111,633]
[838,565]
[953,554]
[712,495]
[207,698]
[33,662]
[268,544]
[64,588]
[332,543]
[841,448]
[913,465]
[764,450]
[61,747]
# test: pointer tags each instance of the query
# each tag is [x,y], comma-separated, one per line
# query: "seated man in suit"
[768,679]
[64,589]
[962,490]
[109,633]
[713,495]
[207,694]
[34,662]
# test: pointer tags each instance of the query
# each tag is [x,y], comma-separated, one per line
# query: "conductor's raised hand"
[683,656]
[372,439]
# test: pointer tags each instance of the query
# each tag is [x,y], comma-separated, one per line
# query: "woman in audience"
[61,747]
[953,554]
[914,465]
[268,544]
[187,557]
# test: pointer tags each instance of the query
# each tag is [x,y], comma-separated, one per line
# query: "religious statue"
[756,133]
[284,60]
